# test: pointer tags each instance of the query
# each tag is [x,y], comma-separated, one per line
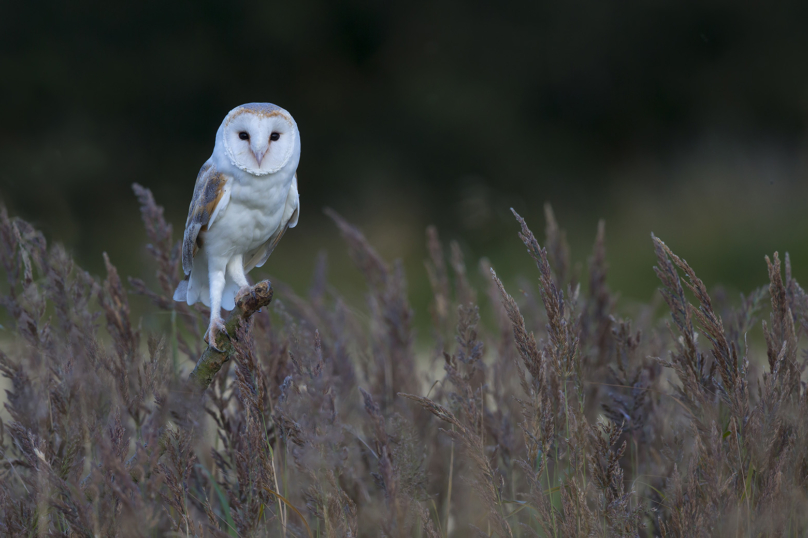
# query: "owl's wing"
[291,212]
[211,195]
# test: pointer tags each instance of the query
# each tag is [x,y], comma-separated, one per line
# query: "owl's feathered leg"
[235,268]
[216,282]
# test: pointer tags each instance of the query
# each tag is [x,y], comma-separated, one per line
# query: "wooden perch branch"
[212,360]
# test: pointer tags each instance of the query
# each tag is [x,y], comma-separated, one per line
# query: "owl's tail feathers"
[196,288]
[181,293]
[229,294]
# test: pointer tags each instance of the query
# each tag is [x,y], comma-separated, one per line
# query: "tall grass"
[560,417]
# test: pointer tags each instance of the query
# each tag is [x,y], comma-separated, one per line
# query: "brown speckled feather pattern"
[208,192]
[262,109]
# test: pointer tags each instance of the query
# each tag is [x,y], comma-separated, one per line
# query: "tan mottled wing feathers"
[211,194]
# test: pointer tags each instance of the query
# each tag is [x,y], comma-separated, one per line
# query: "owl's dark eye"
[244,135]
[274,136]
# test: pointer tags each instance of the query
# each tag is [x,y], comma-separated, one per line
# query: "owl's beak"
[259,155]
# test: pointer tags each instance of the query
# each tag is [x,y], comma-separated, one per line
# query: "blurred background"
[686,119]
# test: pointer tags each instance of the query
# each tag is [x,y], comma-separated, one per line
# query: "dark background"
[683,118]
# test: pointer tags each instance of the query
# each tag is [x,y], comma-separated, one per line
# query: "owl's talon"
[216,326]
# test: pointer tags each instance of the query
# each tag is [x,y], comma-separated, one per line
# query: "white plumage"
[244,200]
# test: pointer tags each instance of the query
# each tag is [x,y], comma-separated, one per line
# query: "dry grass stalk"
[569,419]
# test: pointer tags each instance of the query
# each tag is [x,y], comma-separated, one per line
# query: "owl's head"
[260,138]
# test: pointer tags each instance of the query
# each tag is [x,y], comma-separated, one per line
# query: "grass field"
[530,410]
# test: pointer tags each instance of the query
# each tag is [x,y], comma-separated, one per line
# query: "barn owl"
[244,200]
